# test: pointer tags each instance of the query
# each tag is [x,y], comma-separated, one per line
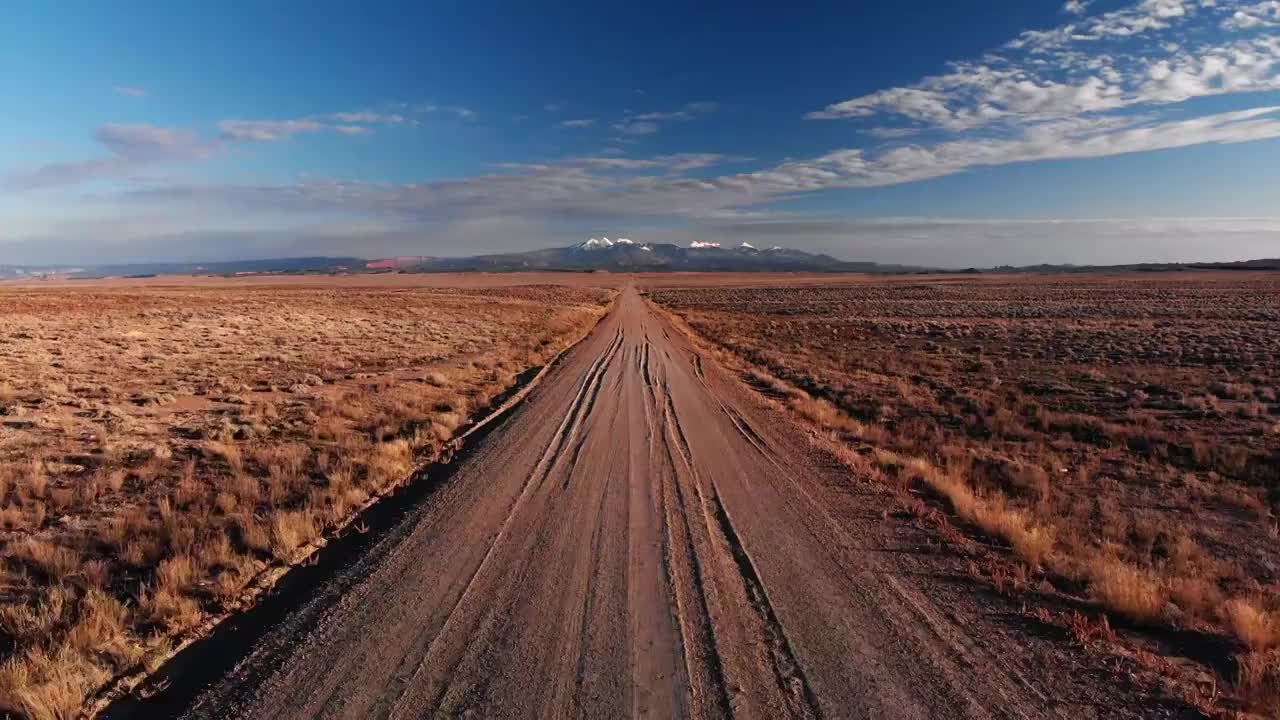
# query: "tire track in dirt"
[787,671]
[745,582]
[637,539]
[569,430]
[702,657]
[569,426]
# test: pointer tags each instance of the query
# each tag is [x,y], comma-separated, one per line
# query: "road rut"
[642,537]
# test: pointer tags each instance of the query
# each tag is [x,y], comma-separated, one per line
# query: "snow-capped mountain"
[625,255]
[602,243]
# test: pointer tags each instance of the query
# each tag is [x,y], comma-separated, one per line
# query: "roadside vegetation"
[164,450]
[1115,439]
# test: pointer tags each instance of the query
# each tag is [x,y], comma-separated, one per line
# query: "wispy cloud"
[946,242]
[1099,84]
[675,162]
[1257,15]
[1076,7]
[130,90]
[267,130]
[648,123]
[463,112]
[636,127]
[968,242]
[130,148]
[369,117]
[344,123]
[1153,53]
[657,187]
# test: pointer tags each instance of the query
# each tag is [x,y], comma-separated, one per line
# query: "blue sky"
[954,133]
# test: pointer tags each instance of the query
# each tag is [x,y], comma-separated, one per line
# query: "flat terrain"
[645,537]
[740,496]
[1120,433]
[165,444]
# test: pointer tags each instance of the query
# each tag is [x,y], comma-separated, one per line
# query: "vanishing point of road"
[642,537]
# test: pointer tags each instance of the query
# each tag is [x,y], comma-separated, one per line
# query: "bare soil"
[1120,434]
[787,495]
[646,536]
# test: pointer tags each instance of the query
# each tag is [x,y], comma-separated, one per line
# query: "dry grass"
[1126,590]
[1258,677]
[1116,434]
[1257,628]
[161,446]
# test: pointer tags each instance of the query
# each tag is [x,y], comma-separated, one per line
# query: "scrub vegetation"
[164,449]
[1117,437]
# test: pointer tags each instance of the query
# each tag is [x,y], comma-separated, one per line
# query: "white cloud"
[462,112]
[368,117]
[636,127]
[683,162]
[1096,85]
[130,148]
[266,130]
[662,116]
[149,141]
[885,133]
[673,163]
[1151,53]
[343,123]
[657,190]
[934,241]
[591,187]
[1261,14]
[1245,66]
[647,123]
[130,90]
[961,242]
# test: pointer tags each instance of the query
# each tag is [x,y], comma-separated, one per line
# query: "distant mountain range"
[233,267]
[603,254]
[592,255]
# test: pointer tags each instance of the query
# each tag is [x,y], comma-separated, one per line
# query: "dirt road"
[642,537]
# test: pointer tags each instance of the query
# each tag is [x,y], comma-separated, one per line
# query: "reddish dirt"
[646,537]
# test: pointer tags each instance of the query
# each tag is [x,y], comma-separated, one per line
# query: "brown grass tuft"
[1126,590]
[1255,628]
